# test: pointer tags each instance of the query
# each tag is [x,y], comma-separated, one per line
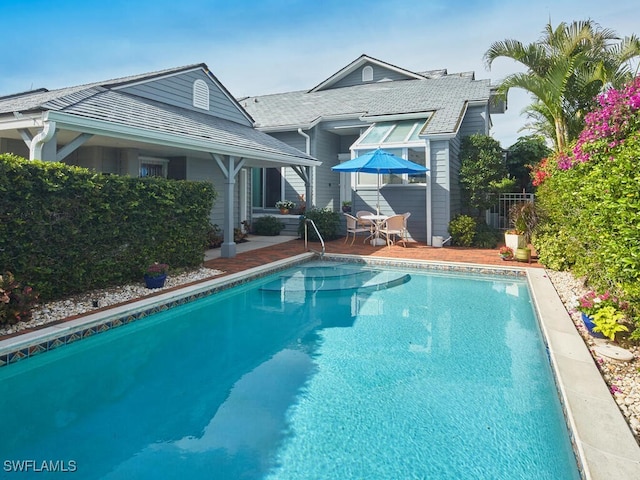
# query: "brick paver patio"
[413,251]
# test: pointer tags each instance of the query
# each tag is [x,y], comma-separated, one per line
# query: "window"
[153,167]
[367,74]
[385,133]
[200,94]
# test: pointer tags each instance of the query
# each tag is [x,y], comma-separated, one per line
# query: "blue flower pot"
[155,282]
[588,322]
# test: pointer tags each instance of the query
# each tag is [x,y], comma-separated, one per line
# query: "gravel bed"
[623,378]
[78,304]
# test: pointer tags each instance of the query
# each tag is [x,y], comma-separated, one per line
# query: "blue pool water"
[338,372]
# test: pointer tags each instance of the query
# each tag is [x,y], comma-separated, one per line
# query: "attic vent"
[367,73]
[200,94]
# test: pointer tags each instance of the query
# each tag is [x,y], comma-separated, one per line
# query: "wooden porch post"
[227,164]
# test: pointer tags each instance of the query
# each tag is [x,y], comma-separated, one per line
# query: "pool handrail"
[306,241]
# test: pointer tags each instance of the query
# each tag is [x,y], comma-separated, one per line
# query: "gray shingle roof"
[446,96]
[99,101]
[39,99]
[129,110]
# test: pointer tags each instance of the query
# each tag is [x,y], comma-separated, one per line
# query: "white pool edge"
[602,438]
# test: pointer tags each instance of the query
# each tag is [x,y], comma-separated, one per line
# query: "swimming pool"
[321,371]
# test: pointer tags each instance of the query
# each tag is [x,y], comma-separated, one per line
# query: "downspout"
[307,193]
[308,141]
[35,149]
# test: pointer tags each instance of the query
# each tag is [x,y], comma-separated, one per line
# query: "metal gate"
[498,216]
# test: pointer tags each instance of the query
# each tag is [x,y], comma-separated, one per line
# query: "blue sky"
[273,46]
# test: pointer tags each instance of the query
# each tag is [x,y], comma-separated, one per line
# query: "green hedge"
[66,229]
[326,220]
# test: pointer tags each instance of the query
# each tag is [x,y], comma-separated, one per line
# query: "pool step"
[337,277]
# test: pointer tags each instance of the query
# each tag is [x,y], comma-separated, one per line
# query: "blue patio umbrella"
[379,161]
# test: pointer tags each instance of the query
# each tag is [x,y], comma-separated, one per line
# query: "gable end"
[194,89]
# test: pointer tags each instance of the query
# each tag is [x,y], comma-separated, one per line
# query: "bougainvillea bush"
[591,199]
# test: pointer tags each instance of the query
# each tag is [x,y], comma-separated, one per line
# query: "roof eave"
[99,127]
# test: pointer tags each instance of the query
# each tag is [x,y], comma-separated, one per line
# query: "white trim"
[427,114]
[25,121]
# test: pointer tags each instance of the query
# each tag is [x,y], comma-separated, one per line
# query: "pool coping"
[603,442]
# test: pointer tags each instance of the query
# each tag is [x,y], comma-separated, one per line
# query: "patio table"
[378,222]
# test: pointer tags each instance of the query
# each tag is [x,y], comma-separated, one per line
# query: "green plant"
[482,172]
[523,219]
[214,236]
[607,321]
[66,229]
[346,203]
[591,302]
[506,252]
[561,73]
[462,229]
[327,222]
[16,300]
[157,270]
[285,204]
[267,225]
[486,236]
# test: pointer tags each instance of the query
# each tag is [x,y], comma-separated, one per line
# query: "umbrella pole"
[378,199]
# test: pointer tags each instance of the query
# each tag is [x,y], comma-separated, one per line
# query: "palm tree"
[566,69]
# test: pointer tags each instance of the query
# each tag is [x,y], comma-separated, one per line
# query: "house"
[178,123]
[421,116]
[183,123]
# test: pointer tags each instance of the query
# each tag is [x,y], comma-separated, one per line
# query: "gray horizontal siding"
[326,147]
[208,171]
[293,185]
[475,121]
[177,90]
[379,74]
[397,199]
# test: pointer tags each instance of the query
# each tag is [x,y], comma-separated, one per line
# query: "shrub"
[590,199]
[267,225]
[66,229]
[462,229]
[16,301]
[486,236]
[326,220]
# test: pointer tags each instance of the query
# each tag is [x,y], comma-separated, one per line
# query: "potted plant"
[602,314]
[156,274]
[523,219]
[506,253]
[302,205]
[346,206]
[285,206]
[214,236]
